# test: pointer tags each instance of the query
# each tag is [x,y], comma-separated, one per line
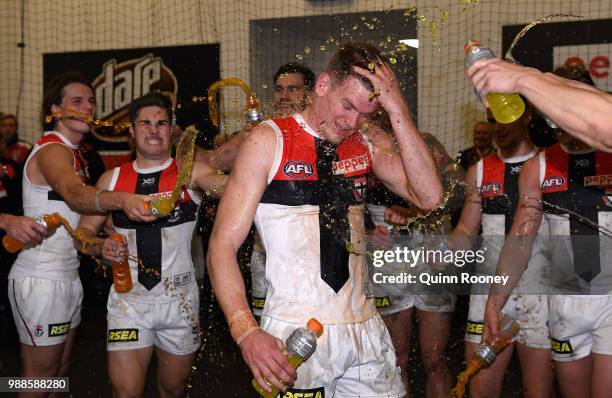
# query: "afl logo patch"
[297,168]
[554,181]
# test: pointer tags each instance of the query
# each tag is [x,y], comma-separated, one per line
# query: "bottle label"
[300,347]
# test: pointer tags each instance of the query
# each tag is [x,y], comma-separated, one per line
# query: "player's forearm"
[82,199]
[419,165]
[212,184]
[453,177]
[225,277]
[95,244]
[513,261]
[461,238]
[580,110]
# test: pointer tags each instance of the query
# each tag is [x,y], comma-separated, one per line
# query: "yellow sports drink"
[160,207]
[506,108]
[300,344]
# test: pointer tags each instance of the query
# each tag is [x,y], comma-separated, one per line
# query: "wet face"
[483,135]
[342,107]
[290,94]
[8,128]
[76,109]
[151,132]
[511,134]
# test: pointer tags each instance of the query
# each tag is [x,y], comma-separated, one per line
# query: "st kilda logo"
[120,83]
[298,169]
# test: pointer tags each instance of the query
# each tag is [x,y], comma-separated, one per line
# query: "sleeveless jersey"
[497,179]
[55,257]
[163,246]
[308,272]
[575,190]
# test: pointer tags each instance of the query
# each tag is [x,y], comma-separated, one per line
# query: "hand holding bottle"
[22,231]
[300,345]
[505,105]
[265,356]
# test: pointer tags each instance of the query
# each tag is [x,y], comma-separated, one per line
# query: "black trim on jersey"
[291,193]
[586,201]
[334,226]
[506,202]
[52,195]
[149,239]
[149,235]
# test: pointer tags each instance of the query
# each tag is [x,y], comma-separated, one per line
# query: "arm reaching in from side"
[577,108]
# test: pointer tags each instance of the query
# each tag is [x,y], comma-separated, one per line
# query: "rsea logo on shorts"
[258,302]
[474,327]
[304,393]
[561,346]
[383,302]
[59,329]
[117,335]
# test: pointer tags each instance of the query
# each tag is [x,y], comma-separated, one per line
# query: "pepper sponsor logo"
[119,335]
[474,327]
[59,329]
[598,181]
[351,165]
[304,393]
[561,346]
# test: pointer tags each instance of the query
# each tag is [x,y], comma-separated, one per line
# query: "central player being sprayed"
[306,220]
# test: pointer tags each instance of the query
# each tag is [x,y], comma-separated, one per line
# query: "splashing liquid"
[185,150]
[252,109]
[87,118]
[523,32]
[486,353]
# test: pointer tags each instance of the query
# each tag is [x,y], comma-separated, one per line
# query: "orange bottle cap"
[315,326]
[468,46]
[53,220]
[117,237]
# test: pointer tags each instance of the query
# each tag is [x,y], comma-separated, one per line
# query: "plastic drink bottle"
[159,207]
[122,278]
[506,108]
[486,353]
[49,221]
[301,344]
